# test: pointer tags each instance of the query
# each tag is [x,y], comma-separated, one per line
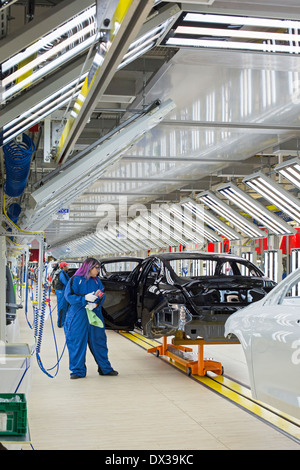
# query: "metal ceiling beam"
[127,32]
[152,158]
[148,180]
[110,193]
[67,185]
[233,125]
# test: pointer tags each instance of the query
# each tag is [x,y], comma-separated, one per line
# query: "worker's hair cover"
[86,266]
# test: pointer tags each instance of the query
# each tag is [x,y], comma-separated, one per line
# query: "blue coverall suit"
[79,332]
[62,304]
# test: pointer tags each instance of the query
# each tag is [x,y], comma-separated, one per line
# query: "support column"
[2,288]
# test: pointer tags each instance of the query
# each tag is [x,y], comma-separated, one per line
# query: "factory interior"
[158,143]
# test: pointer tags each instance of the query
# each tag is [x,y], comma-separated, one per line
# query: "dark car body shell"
[160,302]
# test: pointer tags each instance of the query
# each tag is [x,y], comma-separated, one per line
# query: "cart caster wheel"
[222,373]
[188,371]
[157,353]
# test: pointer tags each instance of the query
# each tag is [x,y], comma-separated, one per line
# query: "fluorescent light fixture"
[276,195]
[174,224]
[115,238]
[81,34]
[232,33]
[141,225]
[48,55]
[136,49]
[49,67]
[241,21]
[60,94]
[197,225]
[49,38]
[290,170]
[129,237]
[226,212]
[144,43]
[255,209]
[236,32]
[138,237]
[40,111]
[209,219]
[232,45]
[154,225]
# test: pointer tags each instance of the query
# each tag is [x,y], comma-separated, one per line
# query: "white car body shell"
[269,332]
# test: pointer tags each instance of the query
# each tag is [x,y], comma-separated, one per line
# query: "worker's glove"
[91,305]
[91,297]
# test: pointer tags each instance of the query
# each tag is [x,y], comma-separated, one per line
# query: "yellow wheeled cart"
[179,347]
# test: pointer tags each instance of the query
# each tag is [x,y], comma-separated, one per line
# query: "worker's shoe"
[112,372]
[75,376]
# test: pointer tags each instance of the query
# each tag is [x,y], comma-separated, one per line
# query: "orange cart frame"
[179,346]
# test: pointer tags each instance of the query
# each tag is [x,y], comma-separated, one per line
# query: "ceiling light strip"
[156,230]
[225,211]
[62,93]
[285,39]
[49,67]
[24,124]
[47,55]
[144,228]
[274,194]
[241,33]
[290,170]
[241,20]
[261,47]
[182,223]
[88,14]
[255,209]
[198,228]
[211,220]
[251,208]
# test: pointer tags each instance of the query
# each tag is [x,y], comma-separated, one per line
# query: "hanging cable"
[18,228]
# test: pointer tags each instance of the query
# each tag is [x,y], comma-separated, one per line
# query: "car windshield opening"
[198,267]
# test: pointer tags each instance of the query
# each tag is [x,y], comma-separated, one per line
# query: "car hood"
[224,293]
[234,322]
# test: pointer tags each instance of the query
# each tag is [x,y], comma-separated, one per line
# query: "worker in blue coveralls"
[62,304]
[84,324]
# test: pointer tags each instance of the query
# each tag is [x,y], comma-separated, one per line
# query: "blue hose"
[17,157]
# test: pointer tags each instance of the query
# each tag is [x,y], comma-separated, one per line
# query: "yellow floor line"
[231,390]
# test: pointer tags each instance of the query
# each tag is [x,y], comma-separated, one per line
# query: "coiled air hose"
[17,158]
[38,327]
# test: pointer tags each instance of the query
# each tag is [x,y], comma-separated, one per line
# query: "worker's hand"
[91,305]
[91,297]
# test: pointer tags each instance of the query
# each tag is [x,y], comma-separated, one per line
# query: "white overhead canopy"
[224,112]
